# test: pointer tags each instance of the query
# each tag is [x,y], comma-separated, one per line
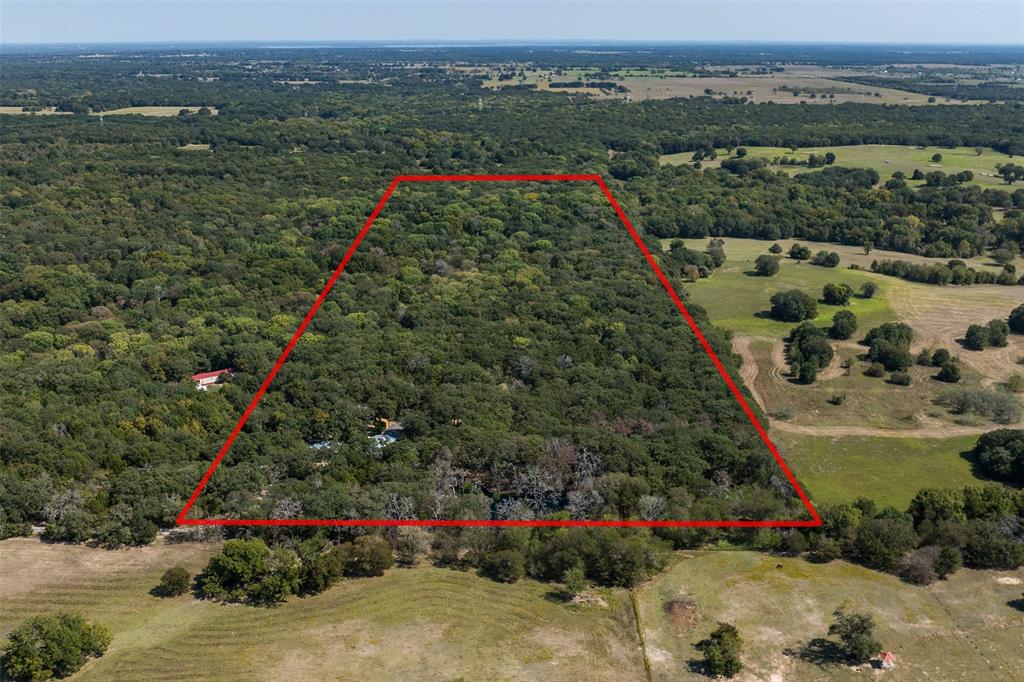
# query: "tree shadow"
[696,666]
[819,651]
[558,596]
[1016,604]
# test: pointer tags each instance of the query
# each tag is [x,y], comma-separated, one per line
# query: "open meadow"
[440,624]
[966,628]
[423,623]
[884,158]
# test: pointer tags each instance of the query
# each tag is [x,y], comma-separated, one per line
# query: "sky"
[872,21]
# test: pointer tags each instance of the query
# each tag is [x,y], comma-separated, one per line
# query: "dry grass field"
[437,624]
[151,111]
[424,623]
[966,628]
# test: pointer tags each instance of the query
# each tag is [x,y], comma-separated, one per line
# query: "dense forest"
[507,346]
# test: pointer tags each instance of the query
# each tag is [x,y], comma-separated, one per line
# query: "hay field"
[422,623]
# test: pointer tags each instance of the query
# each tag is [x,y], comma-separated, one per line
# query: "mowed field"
[437,624]
[969,627]
[424,623]
[890,471]
[884,158]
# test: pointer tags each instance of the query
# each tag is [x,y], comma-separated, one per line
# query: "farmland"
[884,158]
[411,623]
[406,623]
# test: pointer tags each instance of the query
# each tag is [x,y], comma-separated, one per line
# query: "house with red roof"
[206,379]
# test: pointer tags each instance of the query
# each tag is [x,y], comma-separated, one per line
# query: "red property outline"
[814,522]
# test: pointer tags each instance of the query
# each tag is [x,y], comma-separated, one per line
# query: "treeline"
[985,90]
[953,272]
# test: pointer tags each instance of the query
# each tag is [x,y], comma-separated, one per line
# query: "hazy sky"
[907,21]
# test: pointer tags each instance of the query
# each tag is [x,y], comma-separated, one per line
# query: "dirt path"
[750,370]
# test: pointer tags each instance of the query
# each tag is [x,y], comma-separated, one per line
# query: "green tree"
[575,581]
[844,324]
[775,249]
[856,633]
[766,266]
[977,337]
[868,289]
[799,252]
[504,565]
[175,581]
[1016,320]
[793,306]
[722,650]
[370,556]
[50,646]
[835,293]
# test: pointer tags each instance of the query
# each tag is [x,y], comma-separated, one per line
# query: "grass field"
[884,158]
[939,316]
[961,629]
[438,624]
[889,471]
[45,112]
[423,623]
[151,111]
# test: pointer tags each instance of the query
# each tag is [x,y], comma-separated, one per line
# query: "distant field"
[939,316]
[960,629]
[767,89]
[884,158]
[194,147]
[152,111]
[889,471]
[424,623]
[44,112]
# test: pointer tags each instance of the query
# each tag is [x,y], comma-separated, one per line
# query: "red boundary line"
[815,520]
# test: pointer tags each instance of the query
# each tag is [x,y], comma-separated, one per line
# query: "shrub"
[793,306]
[950,373]
[722,651]
[924,358]
[875,369]
[247,570]
[1000,407]
[941,357]
[766,266]
[775,249]
[175,581]
[900,378]
[799,252]
[856,631]
[826,259]
[1000,454]
[504,565]
[889,344]
[1016,320]
[370,556]
[1015,383]
[998,330]
[977,337]
[868,289]
[836,293]
[809,351]
[52,646]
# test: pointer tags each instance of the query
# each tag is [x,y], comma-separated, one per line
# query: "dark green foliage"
[799,252]
[809,351]
[826,259]
[900,378]
[949,372]
[889,344]
[844,324]
[766,266]
[504,565]
[249,571]
[940,357]
[722,650]
[174,582]
[976,337]
[881,542]
[875,370]
[856,633]
[836,293]
[868,289]
[370,555]
[775,249]
[1016,320]
[998,330]
[51,646]
[1000,454]
[793,306]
